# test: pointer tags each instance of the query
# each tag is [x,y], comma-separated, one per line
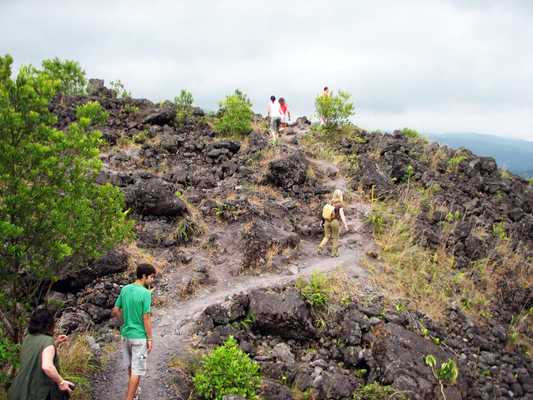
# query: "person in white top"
[274,114]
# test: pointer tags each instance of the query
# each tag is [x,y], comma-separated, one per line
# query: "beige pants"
[331,231]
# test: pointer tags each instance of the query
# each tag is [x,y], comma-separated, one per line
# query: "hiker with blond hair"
[332,212]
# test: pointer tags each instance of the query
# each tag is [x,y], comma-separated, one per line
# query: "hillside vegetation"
[430,298]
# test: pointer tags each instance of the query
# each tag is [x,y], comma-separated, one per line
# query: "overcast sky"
[433,65]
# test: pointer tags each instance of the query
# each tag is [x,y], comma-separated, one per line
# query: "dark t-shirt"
[31,383]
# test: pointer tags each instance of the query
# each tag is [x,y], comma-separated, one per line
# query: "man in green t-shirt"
[133,309]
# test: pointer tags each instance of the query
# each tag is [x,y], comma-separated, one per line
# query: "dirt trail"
[173,323]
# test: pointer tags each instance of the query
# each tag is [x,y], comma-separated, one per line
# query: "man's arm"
[117,313]
[147,320]
[117,309]
[48,367]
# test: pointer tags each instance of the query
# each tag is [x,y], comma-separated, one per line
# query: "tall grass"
[78,364]
[426,277]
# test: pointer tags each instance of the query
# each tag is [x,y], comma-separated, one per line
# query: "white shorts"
[135,354]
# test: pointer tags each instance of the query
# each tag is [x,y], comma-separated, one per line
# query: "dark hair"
[281,100]
[41,322]
[325,88]
[145,270]
[272,98]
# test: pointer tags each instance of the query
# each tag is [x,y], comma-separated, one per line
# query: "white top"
[273,109]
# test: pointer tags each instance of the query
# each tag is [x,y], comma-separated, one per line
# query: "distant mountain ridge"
[515,155]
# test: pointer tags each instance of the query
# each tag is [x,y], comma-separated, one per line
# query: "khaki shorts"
[274,124]
[135,354]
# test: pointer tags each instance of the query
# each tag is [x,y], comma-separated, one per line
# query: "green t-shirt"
[134,301]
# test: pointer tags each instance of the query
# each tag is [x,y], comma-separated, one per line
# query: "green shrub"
[446,373]
[454,162]
[453,216]
[140,137]
[186,230]
[376,391]
[227,370]
[225,211]
[71,77]
[334,111]
[530,181]
[236,118]
[316,290]
[410,133]
[377,220]
[498,230]
[409,172]
[131,109]
[505,174]
[119,89]
[183,104]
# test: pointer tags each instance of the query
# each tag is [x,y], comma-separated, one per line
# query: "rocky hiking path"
[173,323]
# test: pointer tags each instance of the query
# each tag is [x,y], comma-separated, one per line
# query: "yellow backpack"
[328,212]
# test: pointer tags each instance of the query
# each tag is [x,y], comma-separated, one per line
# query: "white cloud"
[433,65]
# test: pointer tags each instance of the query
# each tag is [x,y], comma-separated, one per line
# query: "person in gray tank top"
[38,377]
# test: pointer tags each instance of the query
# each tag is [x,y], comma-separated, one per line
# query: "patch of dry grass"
[137,255]
[260,125]
[438,157]
[342,287]
[255,200]
[521,332]
[79,363]
[195,216]
[318,147]
[427,278]
[267,155]
[188,360]
[308,394]
[273,250]
[336,287]
[267,190]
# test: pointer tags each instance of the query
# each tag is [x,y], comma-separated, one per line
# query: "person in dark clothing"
[38,377]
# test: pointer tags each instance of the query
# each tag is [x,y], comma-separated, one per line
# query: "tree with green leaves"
[52,213]
[183,103]
[334,111]
[71,76]
[236,115]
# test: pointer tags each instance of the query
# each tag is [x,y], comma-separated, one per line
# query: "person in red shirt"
[285,113]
